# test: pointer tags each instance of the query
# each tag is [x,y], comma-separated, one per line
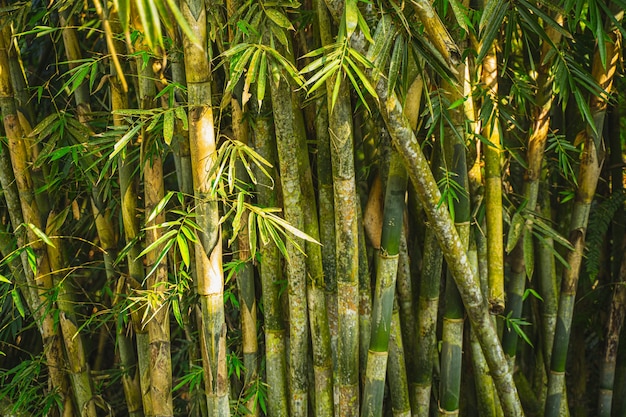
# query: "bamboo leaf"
[181,114]
[262,80]
[17,301]
[351,16]
[515,231]
[529,254]
[548,231]
[160,206]
[121,144]
[4,279]
[183,248]
[490,24]
[336,90]
[167,237]
[46,125]
[394,64]
[252,238]
[362,24]
[279,18]
[40,234]
[168,127]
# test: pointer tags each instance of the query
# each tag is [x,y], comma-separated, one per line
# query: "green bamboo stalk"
[158,324]
[42,279]
[404,288]
[428,306]
[157,319]
[386,272]
[515,292]
[346,237]
[396,368]
[590,168]
[208,249]
[453,318]
[547,279]
[426,354]
[270,270]
[614,328]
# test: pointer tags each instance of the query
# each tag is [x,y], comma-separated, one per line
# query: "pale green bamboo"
[270,270]
[590,169]
[287,130]
[208,248]
[346,234]
[325,192]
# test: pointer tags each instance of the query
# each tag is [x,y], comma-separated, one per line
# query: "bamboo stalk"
[590,167]
[493,189]
[208,249]
[42,280]
[614,328]
[396,368]
[453,318]
[386,272]
[270,269]
[289,133]
[128,356]
[486,398]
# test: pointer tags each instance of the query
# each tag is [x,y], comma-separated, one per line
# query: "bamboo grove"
[325,207]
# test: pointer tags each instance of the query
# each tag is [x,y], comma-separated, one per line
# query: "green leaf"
[17,301]
[351,16]
[181,114]
[160,206]
[4,279]
[280,19]
[529,254]
[40,234]
[362,23]
[262,79]
[121,144]
[515,231]
[394,64]
[167,237]
[183,248]
[123,12]
[490,24]
[168,127]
